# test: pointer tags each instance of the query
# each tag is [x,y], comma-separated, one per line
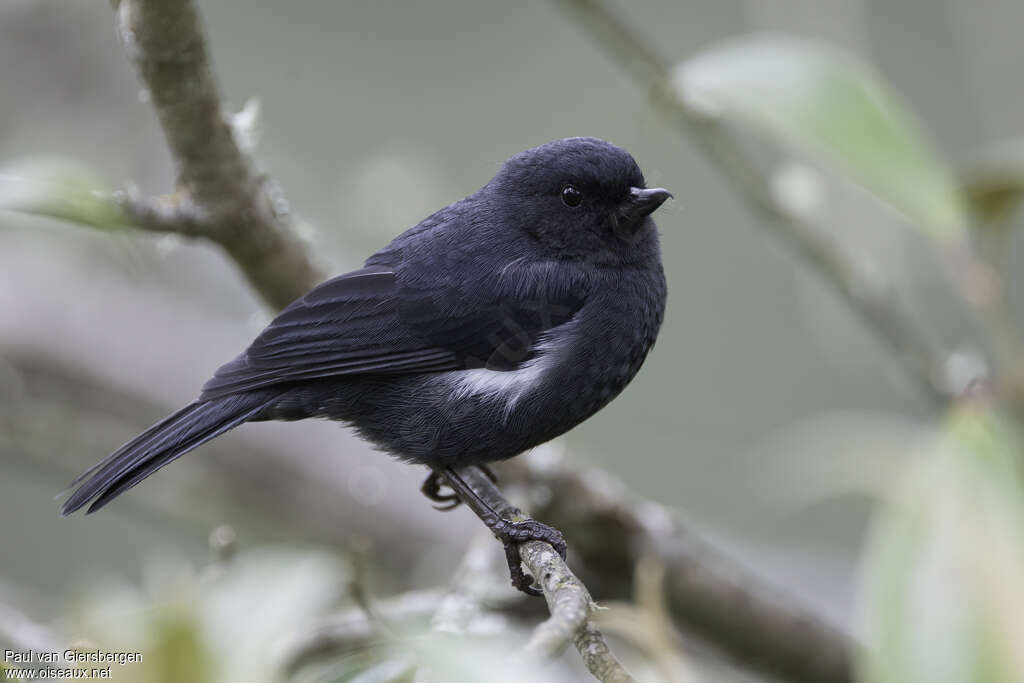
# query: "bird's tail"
[161,444]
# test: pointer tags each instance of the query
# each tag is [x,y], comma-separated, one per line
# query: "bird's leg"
[510,533]
[432,489]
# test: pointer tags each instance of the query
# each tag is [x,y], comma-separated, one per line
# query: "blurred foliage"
[58,188]
[943,569]
[944,566]
[216,626]
[238,620]
[994,183]
[831,105]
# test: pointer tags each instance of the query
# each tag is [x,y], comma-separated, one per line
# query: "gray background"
[761,414]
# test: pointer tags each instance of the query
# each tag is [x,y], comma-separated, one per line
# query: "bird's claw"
[512,534]
[432,490]
[447,501]
[521,580]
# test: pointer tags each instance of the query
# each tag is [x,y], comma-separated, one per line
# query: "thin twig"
[599,659]
[568,599]
[860,287]
[647,624]
[708,593]
[241,209]
[176,214]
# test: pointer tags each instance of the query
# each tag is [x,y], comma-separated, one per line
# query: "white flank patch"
[508,387]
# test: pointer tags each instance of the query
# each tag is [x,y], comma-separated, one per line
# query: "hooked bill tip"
[644,201]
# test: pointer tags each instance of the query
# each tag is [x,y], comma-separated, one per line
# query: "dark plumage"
[494,325]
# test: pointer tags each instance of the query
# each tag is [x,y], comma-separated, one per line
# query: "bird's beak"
[643,202]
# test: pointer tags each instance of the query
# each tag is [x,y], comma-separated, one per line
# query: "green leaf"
[58,188]
[224,626]
[177,651]
[943,584]
[994,183]
[835,108]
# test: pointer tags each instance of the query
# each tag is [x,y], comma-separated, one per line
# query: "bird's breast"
[572,370]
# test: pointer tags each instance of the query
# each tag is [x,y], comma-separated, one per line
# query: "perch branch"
[708,594]
[220,196]
[861,288]
[568,599]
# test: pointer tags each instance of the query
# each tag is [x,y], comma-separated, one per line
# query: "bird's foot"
[511,534]
[447,501]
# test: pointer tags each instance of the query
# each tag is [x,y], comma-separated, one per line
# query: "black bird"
[494,325]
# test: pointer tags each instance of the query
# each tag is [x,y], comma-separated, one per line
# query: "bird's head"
[579,198]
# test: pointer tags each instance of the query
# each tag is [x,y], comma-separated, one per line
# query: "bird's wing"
[364,323]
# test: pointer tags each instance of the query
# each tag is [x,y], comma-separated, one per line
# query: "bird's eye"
[571,197]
